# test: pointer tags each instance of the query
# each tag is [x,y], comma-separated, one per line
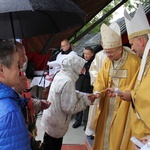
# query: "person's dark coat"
[83,82]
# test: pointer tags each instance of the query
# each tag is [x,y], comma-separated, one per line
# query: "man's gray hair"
[7,49]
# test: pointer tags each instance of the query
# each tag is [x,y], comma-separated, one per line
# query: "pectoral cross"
[111,83]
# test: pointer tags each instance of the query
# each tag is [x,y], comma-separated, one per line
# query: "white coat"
[65,100]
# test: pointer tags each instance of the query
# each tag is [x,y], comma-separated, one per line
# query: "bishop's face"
[114,54]
[136,46]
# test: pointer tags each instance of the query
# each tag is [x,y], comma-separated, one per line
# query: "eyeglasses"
[111,52]
[108,53]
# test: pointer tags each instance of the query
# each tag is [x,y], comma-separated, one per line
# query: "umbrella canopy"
[27,18]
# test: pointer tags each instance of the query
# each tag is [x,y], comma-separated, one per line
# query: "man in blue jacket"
[13,131]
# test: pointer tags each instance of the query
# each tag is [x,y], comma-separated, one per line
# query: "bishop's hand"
[111,92]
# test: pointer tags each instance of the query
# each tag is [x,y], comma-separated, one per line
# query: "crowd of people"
[107,91]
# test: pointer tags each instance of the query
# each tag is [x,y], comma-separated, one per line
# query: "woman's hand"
[92,97]
[45,104]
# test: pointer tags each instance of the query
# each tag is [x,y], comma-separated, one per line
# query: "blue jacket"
[14,134]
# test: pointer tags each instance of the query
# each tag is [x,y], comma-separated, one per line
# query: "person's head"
[138,44]
[9,67]
[88,53]
[73,64]
[138,29]
[65,45]
[22,54]
[111,41]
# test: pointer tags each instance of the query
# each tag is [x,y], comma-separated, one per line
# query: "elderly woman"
[65,101]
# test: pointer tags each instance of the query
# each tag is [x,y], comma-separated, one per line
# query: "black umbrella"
[27,18]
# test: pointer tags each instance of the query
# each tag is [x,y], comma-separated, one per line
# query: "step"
[87,146]
[73,147]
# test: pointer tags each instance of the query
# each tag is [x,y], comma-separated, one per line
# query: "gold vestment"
[140,122]
[117,120]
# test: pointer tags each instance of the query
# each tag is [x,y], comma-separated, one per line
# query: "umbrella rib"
[12,25]
[20,26]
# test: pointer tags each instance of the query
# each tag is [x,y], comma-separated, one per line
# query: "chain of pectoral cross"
[111,83]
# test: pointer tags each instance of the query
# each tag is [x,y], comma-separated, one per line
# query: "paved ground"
[73,136]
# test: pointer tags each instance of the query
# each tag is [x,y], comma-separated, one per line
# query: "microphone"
[58,51]
[55,54]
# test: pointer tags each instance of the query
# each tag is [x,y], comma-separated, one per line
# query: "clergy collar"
[66,52]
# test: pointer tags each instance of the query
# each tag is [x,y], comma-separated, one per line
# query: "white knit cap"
[111,36]
[138,25]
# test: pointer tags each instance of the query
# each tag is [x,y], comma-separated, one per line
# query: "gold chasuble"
[140,113]
[111,116]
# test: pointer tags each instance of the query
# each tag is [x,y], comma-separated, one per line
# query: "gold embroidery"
[117,73]
[138,33]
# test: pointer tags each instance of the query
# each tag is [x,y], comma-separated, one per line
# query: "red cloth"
[39,60]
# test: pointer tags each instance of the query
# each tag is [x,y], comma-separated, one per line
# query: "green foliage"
[135,5]
[98,16]
[95,30]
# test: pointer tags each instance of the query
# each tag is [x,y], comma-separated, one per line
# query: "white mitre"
[111,36]
[138,25]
